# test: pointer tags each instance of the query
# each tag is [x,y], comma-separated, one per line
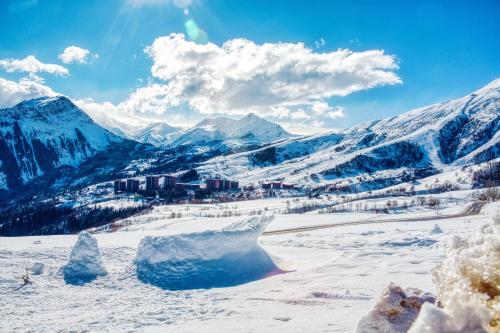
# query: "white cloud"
[335,113]
[241,76]
[299,115]
[32,65]
[77,55]
[320,43]
[306,128]
[322,109]
[12,92]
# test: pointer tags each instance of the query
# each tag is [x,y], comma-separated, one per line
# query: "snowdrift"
[218,258]
[85,263]
[395,311]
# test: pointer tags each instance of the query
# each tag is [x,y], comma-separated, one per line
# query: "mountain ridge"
[457,132]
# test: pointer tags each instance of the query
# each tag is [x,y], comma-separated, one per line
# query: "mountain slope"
[416,144]
[41,135]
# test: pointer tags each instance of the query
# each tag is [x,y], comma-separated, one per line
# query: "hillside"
[412,145]
[44,139]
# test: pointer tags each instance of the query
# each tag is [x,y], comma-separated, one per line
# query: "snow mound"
[436,230]
[395,311]
[38,268]
[468,284]
[214,258]
[85,263]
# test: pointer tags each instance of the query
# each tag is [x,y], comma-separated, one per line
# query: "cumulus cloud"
[322,109]
[12,92]
[241,76]
[31,65]
[75,54]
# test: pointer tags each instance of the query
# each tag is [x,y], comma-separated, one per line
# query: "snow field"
[334,277]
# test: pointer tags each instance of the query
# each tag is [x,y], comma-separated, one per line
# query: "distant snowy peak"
[157,133]
[39,135]
[249,129]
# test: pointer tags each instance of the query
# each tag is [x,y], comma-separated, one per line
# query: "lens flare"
[182,3]
[195,33]
[192,30]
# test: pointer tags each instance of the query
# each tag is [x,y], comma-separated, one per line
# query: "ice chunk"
[468,284]
[395,311]
[85,263]
[436,230]
[216,258]
[436,320]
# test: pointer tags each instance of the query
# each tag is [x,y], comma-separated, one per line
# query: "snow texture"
[85,263]
[395,311]
[213,258]
[468,284]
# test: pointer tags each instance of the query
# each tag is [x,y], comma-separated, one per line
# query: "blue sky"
[444,49]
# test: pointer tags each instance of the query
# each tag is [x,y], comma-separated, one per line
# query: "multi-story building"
[152,183]
[120,186]
[132,185]
[169,181]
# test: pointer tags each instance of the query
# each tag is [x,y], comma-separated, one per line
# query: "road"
[470,210]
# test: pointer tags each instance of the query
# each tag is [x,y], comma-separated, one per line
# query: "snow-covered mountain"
[250,129]
[155,133]
[412,145]
[40,135]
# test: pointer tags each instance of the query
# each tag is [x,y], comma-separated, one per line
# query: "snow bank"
[85,263]
[217,258]
[468,284]
[395,311]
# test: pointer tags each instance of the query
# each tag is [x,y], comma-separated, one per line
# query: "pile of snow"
[85,263]
[38,268]
[214,258]
[436,230]
[468,284]
[395,311]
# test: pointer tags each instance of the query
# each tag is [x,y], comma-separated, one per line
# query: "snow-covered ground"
[329,278]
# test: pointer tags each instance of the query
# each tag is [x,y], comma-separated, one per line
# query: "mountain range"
[49,143]
[378,153]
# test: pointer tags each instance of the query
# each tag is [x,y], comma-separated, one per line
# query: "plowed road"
[473,209]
